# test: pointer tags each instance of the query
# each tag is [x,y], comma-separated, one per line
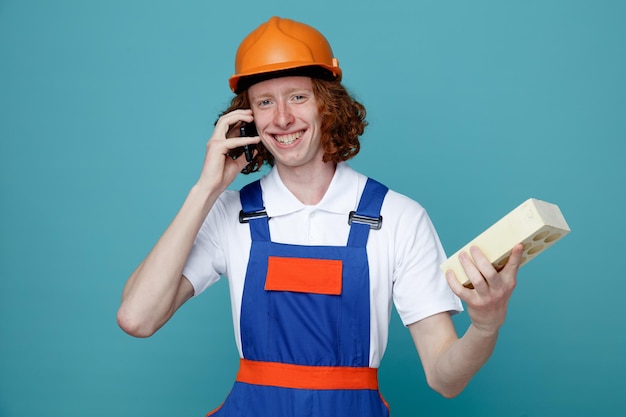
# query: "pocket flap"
[306,275]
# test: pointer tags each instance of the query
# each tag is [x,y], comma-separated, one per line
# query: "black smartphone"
[248,129]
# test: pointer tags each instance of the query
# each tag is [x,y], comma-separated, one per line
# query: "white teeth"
[288,139]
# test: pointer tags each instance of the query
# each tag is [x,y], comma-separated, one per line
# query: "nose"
[283,118]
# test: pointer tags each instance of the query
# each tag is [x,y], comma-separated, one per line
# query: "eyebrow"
[287,92]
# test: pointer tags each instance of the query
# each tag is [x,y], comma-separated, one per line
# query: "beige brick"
[535,223]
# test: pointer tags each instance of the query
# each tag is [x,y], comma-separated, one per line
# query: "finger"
[219,151]
[240,162]
[509,272]
[457,288]
[473,273]
[515,261]
[233,147]
[235,161]
[486,269]
[229,120]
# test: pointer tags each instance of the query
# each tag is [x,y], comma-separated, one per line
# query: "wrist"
[204,193]
[487,332]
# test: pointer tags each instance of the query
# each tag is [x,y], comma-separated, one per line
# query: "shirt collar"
[341,196]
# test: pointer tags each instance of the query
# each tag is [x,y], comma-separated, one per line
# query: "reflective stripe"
[286,375]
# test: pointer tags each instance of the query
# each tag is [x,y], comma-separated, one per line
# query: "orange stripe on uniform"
[306,275]
[286,375]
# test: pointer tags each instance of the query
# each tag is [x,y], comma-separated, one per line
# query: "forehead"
[281,85]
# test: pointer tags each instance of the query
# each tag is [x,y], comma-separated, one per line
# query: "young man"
[315,253]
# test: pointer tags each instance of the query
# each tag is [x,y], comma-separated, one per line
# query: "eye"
[262,103]
[299,97]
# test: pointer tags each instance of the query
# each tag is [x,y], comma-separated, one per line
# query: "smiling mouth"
[288,139]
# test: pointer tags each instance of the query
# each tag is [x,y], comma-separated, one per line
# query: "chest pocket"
[304,275]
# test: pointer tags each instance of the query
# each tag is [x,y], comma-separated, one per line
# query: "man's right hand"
[219,169]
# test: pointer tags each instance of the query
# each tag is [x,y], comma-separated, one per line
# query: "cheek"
[266,142]
[261,121]
[266,139]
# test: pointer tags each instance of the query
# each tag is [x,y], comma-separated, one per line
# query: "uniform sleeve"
[420,288]
[206,261]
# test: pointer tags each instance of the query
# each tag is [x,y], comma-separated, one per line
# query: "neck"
[308,185]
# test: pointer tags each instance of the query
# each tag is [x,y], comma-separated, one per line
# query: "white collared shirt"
[404,255]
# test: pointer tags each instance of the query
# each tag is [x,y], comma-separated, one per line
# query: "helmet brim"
[241,82]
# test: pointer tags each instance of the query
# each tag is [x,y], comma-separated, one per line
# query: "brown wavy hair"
[343,121]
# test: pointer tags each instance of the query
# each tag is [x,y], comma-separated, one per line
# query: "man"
[314,252]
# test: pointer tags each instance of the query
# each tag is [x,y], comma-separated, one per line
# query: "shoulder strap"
[253,211]
[367,215]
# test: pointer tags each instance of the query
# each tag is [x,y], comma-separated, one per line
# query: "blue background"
[105,109]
